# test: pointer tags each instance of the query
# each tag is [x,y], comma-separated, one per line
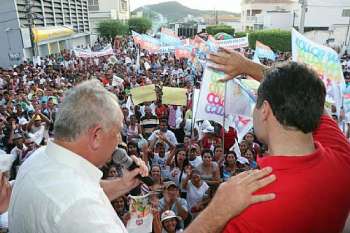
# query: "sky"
[227,5]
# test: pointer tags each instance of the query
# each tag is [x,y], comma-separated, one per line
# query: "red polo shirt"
[312,191]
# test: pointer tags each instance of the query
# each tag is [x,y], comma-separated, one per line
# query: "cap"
[209,129]
[168,214]
[169,184]
[37,118]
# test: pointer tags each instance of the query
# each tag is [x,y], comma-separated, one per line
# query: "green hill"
[175,11]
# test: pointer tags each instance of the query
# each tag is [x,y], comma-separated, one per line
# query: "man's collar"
[73,160]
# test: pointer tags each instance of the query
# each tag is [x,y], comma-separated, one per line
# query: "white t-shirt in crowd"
[161,161]
[196,162]
[169,135]
[57,190]
[194,194]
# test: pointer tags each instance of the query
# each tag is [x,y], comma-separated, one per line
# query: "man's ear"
[266,110]
[95,137]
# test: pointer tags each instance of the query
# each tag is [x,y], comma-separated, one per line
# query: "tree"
[110,28]
[215,29]
[140,25]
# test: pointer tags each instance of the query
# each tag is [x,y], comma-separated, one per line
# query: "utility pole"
[30,19]
[302,15]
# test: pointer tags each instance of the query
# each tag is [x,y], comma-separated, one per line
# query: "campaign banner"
[174,96]
[149,43]
[217,101]
[143,94]
[183,52]
[166,49]
[168,37]
[346,101]
[141,216]
[325,61]
[234,43]
[87,53]
[264,51]
[137,37]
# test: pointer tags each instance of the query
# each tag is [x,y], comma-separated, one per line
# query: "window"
[255,12]
[93,5]
[123,5]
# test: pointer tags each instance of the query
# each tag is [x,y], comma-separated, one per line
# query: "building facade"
[57,25]
[100,10]
[324,19]
[251,9]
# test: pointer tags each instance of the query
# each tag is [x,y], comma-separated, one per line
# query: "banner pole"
[224,119]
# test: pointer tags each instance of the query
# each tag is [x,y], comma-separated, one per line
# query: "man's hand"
[5,193]
[120,186]
[231,198]
[129,178]
[238,191]
[188,171]
[233,64]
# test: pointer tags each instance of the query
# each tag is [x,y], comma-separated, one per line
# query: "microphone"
[120,156]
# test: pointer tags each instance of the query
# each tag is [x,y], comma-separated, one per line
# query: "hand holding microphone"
[120,156]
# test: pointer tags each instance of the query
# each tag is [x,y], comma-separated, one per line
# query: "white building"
[100,10]
[324,21]
[323,18]
[250,9]
[57,25]
[236,24]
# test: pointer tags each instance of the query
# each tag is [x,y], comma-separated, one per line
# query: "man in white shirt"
[164,134]
[59,188]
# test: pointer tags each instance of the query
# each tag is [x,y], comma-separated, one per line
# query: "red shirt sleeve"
[330,136]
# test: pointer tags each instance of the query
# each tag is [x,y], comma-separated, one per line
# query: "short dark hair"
[164,121]
[204,151]
[296,95]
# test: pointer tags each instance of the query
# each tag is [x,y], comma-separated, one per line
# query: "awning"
[49,33]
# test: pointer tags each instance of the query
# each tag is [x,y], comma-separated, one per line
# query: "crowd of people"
[186,163]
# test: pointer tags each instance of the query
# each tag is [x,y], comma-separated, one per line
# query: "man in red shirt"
[307,151]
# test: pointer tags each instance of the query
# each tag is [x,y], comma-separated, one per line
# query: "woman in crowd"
[120,206]
[208,169]
[196,189]
[178,166]
[249,154]
[250,138]
[157,178]
[133,149]
[243,146]
[230,167]
[219,156]
[134,129]
[169,223]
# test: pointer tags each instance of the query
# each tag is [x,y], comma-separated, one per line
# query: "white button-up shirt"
[58,191]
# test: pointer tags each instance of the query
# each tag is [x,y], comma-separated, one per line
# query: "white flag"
[216,100]
[243,125]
